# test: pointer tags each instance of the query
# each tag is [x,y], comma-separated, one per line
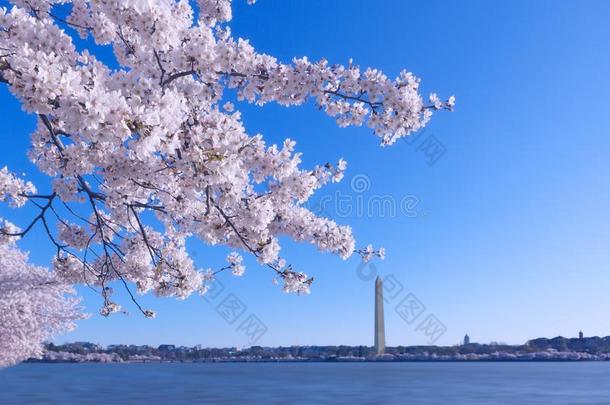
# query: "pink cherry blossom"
[35,304]
[152,150]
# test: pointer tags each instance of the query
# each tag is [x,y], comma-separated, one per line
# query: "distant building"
[379,321]
[580,335]
[466,340]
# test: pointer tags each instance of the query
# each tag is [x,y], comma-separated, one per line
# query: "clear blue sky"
[510,240]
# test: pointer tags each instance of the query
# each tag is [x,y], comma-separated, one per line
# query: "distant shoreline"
[37,361]
[558,349]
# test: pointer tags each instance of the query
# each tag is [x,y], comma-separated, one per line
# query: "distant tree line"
[560,348]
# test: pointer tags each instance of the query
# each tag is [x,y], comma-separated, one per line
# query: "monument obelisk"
[379,323]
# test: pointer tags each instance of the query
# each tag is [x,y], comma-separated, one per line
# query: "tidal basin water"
[308,383]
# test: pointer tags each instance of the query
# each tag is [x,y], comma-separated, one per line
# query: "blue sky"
[508,237]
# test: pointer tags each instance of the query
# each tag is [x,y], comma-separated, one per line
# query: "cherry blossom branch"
[294,281]
[151,134]
[33,222]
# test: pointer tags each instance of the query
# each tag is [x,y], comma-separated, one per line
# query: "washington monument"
[379,324]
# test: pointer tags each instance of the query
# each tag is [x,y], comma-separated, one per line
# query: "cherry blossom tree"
[33,306]
[145,152]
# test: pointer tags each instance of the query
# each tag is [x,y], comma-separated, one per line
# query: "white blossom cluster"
[235,263]
[34,305]
[14,189]
[67,357]
[297,282]
[151,149]
[368,253]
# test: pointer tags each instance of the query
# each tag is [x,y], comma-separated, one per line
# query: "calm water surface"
[308,383]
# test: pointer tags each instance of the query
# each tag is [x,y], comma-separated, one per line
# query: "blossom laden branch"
[145,152]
